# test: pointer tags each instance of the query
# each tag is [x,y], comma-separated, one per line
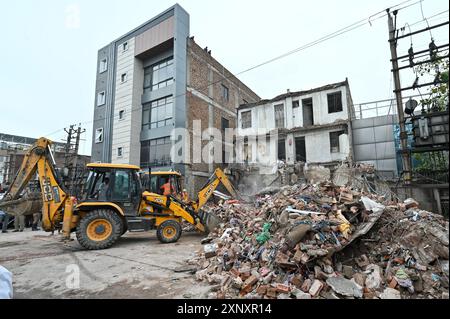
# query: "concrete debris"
[350,244]
[315,174]
[345,287]
[390,293]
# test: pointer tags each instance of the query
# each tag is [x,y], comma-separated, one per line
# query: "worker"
[19,223]
[167,188]
[36,219]
[103,190]
[184,195]
[4,219]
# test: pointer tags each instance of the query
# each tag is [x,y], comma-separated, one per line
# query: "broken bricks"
[303,252]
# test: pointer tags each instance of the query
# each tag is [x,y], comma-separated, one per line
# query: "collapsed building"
[322,241]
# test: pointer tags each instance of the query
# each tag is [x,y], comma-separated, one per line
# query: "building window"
[157,113]
[225,93]
[308,114]
[123,77]
[225,123]
[246,118]
[101,98]
[103,66]
[334,141]
[295,104]
[156,152]
[279,115]
[119,151]
[99,135]
[158,75]
[124,46]
[282,149]
[247,151]
[335,102]
[121,114]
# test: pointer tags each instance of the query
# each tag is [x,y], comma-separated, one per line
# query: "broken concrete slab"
[345,287]
[390,293]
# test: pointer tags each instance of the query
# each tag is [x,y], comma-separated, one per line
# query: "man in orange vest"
[167,188]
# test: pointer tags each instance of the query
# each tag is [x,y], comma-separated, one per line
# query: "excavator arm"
[211,185]
[56,202]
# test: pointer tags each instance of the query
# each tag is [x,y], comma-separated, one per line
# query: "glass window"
[156,152]
[99,135]
[334,102]
[157,113]
[225,93]
[246,118]
[279,115]
[225,123]
[121,189]
[159,75]
[103,65]
[101,98]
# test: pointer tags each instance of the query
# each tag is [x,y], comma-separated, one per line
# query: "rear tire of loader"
[169,232]
[99,229]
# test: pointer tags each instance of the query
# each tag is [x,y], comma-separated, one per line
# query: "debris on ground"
[325,241]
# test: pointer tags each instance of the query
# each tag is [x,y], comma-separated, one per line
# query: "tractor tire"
[169,232]
[99,229]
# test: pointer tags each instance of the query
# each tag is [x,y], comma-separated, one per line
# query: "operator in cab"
[167,188]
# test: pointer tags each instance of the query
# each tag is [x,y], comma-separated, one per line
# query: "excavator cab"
[154,181]
[113,183]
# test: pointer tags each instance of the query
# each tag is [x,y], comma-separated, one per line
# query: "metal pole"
[398,95]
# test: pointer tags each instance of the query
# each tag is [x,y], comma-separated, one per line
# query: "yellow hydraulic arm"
[213,182]
[39,159]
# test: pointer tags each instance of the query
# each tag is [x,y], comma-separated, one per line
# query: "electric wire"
[378,15]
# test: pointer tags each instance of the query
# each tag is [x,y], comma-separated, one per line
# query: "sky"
[49,50]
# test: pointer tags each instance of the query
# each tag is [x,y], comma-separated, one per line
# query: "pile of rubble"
[291,245]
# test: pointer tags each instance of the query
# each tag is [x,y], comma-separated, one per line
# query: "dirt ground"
[137,266]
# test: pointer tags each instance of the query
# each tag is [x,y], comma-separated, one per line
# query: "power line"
[429,18]
[351,27]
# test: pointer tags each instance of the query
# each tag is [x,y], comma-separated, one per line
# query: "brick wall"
[205,99]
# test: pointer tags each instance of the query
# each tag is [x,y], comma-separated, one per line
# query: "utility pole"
[406,159]
[71,155]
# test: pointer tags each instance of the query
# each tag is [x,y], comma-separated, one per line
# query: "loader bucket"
[24,206]
[210,221]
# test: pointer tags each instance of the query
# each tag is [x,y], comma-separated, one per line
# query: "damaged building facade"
[152,80]
[312,126]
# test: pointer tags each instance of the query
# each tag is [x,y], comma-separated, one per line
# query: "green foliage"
[438,94]
[432,161]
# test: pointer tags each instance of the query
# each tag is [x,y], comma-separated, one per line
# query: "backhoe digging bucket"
[209,221]
[22,206]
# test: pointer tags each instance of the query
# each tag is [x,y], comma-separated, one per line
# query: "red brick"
[296,281]
[283,288]
[261,290]
[271,292]
[248,284]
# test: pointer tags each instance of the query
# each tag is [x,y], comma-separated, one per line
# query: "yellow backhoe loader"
[112,201]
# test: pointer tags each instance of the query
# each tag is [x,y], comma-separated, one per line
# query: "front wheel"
[99,229]
[169,231]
